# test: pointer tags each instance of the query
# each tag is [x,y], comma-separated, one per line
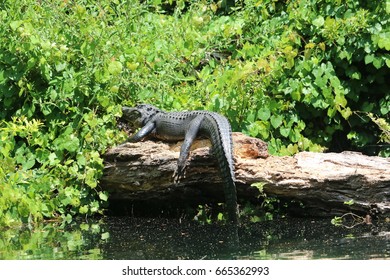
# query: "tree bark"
[321,182]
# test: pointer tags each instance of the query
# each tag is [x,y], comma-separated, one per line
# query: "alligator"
[187,125]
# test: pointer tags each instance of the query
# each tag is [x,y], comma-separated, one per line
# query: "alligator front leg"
[190,136]
[142,133]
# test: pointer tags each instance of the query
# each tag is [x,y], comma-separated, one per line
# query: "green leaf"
[84,209]
[29,163]
[81,160]
[384,41]
[346,113]
[295,135]
[321,81]
[319,21]
[276,120]
[70,143]
[60,66]
[378,62]
[115,67]
[105,235]
[23,208]
[94,206]
[103,196]
[259,186]
[349,202]
[340,100]
[334,81]
[369,58]
[15,24]
[296,95]
[285,131]
[367,107]
[53,160]
[66,201]
[264,113]
[90,178]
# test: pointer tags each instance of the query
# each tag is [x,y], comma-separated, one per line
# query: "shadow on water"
[129,238]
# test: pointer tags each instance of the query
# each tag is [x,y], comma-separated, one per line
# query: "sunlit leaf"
[276,120]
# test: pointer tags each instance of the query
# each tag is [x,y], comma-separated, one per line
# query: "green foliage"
[290,73]
[269,208]
[384,137]
[349,202]
[59,77]
[301,75]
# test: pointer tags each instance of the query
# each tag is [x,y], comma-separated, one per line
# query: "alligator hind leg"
[185,147]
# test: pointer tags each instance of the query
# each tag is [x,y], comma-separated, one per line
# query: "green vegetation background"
[301,75]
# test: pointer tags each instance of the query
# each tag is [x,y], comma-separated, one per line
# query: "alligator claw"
[178,174]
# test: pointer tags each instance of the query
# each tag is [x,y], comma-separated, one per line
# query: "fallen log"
[322,182]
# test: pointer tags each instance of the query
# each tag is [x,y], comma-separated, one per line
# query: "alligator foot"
[178,174]
[123,144]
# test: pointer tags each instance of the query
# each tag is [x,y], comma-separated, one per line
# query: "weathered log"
[322,182]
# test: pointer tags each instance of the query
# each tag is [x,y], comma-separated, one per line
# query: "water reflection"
[151,239]
[52,241]
[127,238]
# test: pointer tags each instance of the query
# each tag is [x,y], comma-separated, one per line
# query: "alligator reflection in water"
[127,238]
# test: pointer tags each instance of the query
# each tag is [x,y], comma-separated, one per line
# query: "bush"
[58,83]
[324,65]
[302,75]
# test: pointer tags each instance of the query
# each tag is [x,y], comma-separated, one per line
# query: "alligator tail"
[220,133]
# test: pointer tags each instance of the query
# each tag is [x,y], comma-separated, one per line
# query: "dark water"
[127,238]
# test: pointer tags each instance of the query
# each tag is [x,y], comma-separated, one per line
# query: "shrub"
[58,93]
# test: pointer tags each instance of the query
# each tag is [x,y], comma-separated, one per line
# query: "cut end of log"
[249,148]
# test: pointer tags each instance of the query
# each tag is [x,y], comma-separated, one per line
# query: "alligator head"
[138,116]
